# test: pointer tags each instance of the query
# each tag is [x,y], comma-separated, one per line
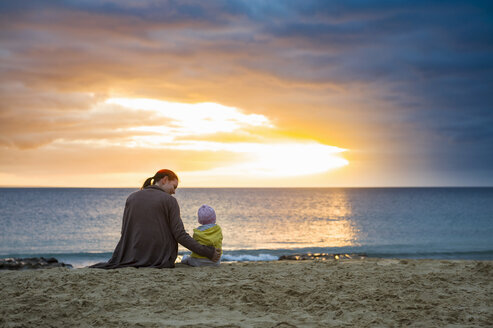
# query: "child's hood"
[208,233]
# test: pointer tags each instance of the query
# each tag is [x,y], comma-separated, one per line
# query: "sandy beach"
[358,293]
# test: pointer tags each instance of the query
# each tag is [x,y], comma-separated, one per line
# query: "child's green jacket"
[209,237]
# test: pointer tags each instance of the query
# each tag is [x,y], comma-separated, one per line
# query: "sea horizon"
[236,187]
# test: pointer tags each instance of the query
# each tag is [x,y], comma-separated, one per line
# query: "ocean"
[81,226]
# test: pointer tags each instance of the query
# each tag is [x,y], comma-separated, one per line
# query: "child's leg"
[197,262]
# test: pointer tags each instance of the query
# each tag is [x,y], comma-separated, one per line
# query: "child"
[209,234]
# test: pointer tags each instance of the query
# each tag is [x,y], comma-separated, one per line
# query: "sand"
[354,293]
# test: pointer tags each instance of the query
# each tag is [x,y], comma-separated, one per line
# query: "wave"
[249,258]
[276,254]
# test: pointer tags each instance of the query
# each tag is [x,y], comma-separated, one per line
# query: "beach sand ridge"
[359,293]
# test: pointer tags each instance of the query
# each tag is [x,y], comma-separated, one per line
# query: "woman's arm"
[182,237]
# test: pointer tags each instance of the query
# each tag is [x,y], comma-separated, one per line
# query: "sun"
[290,158]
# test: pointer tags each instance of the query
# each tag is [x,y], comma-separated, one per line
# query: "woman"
[152,228]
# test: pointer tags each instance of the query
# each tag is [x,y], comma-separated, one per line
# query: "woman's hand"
[217,255]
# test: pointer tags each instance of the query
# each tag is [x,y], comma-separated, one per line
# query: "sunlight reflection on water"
[270,218]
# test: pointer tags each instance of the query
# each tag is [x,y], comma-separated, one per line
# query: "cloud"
[380,75]
[168,128]
[194,119]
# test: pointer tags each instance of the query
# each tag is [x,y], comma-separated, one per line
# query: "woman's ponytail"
[147,183]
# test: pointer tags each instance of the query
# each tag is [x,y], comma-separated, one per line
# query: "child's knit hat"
[206,215]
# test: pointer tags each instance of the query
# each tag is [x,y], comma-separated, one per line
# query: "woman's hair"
[158,176]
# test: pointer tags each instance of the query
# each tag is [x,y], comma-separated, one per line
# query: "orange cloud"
[61,64]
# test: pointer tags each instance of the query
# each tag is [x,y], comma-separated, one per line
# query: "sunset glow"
[278,160]
[191,119]
[176,125]
[240,94]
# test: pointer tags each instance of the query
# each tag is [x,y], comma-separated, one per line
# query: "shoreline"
[309,293]
[84,259]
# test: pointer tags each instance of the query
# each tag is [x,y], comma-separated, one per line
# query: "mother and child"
[152,228]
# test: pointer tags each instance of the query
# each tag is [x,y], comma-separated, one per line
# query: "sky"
[246,93]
